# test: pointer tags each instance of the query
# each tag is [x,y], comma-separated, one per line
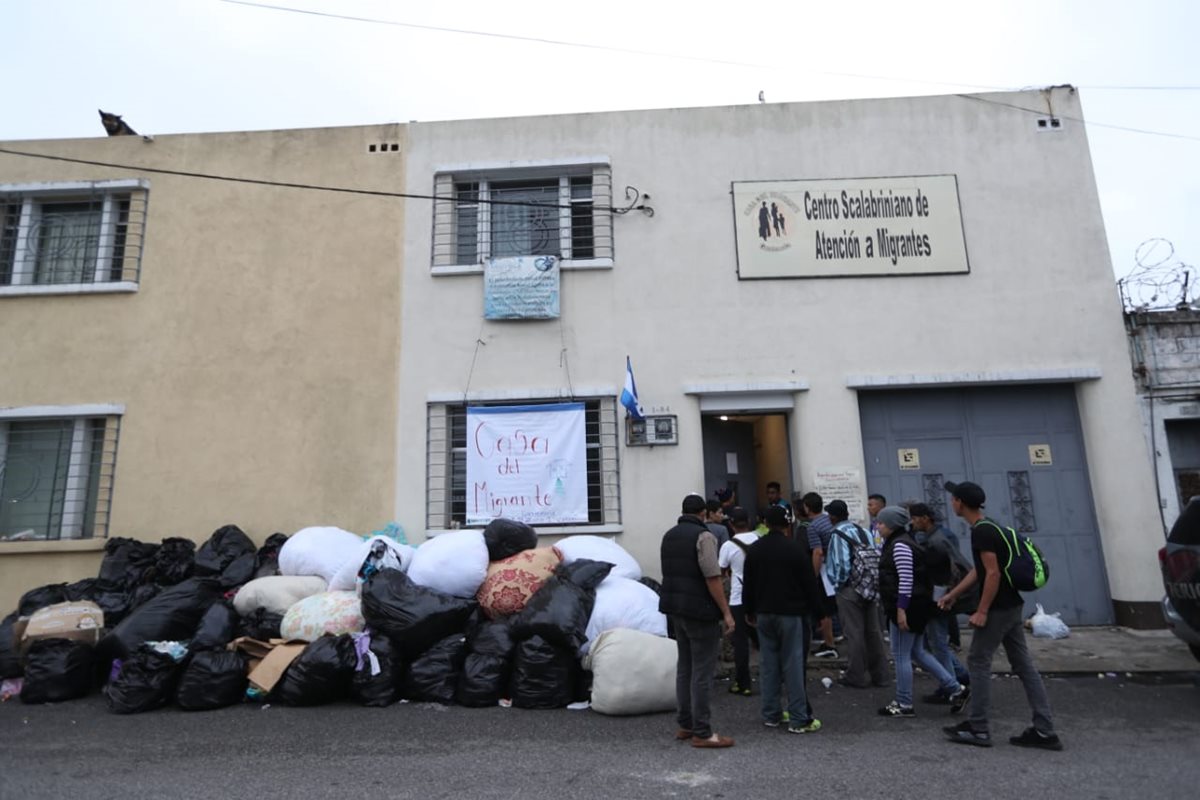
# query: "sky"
[181,66]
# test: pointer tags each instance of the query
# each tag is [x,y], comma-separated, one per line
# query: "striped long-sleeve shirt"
[903,556]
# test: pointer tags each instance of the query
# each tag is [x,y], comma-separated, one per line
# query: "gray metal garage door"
[1023,445]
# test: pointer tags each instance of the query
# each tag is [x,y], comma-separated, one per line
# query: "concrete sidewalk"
[1094,650]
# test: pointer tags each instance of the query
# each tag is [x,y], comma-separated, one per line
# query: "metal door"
[730,444]
[1024,446]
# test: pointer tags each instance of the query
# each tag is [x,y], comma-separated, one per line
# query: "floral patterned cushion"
[512,581]
[328,612]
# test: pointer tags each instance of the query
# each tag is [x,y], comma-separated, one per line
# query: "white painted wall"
[1039,296]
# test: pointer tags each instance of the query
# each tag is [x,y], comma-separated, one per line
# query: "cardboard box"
[80,621]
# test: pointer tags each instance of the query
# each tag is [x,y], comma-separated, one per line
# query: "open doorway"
[743,453]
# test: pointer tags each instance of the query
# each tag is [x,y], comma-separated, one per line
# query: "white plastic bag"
[317,551]
[398,556]
[597,548]
[1048,626]
[632,672]
[624,603]
[454,563]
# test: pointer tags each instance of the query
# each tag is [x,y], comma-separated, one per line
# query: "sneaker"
[1032,737]
[839,639]
[736,688]
[812,726]
[958,700]
[894,709]
[825,652]
[776,723]
[938,698]
[963,733]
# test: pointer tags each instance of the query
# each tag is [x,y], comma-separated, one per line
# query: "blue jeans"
[698,642]
[908,647]
[781,641]
[937,635]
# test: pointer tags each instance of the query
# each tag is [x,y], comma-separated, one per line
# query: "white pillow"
[454,563]
[317,551]
[624,603]
[598,548]
[277,593]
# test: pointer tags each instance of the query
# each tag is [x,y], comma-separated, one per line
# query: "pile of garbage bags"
[470,617]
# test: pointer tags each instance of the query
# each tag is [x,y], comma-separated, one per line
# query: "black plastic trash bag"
[266,560]
[559,611]
[416,617]
[171,616]
[142,595]
[433,677]
[261,624]
[381,688]
[37,599]
[487,667]
[507,537]
[10,656]
[212,679]
[320,674]
[174,561]
[544,674]
[127,563]
[227,545]
[146,681]
[115,604]
[218,627]
[58,670]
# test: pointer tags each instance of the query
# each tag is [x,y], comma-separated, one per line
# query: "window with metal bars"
[56,477]
[565,212]
[71,234]
[446,462]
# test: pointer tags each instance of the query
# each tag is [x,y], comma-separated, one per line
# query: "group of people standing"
[788,580]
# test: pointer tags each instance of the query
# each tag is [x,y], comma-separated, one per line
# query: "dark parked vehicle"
[1180,563]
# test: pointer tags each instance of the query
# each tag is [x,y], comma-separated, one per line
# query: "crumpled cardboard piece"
[268,660]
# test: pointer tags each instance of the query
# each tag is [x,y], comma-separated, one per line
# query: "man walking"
[819,531]
[997,621]
[732,558]
[946,566]
[857,604]
[692,595]
[780,593]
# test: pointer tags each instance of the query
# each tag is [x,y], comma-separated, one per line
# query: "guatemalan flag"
[629,397]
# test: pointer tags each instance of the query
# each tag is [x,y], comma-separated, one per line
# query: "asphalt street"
[1124,737]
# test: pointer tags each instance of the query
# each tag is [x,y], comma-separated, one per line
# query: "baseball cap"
[971,494]
[838,508]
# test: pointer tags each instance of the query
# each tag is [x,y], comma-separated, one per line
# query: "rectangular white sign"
[850,227]
[521,287]
[527,463]
[845,484]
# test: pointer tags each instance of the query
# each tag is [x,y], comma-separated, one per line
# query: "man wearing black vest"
[692,595]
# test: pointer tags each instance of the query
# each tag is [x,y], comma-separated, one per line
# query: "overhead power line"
[1081,120]
[292,185]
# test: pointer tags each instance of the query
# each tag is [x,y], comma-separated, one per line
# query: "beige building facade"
[207,352]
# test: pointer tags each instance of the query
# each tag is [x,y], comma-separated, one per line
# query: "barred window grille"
[565,213]
[56,477]
[446,463]
[72,233]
